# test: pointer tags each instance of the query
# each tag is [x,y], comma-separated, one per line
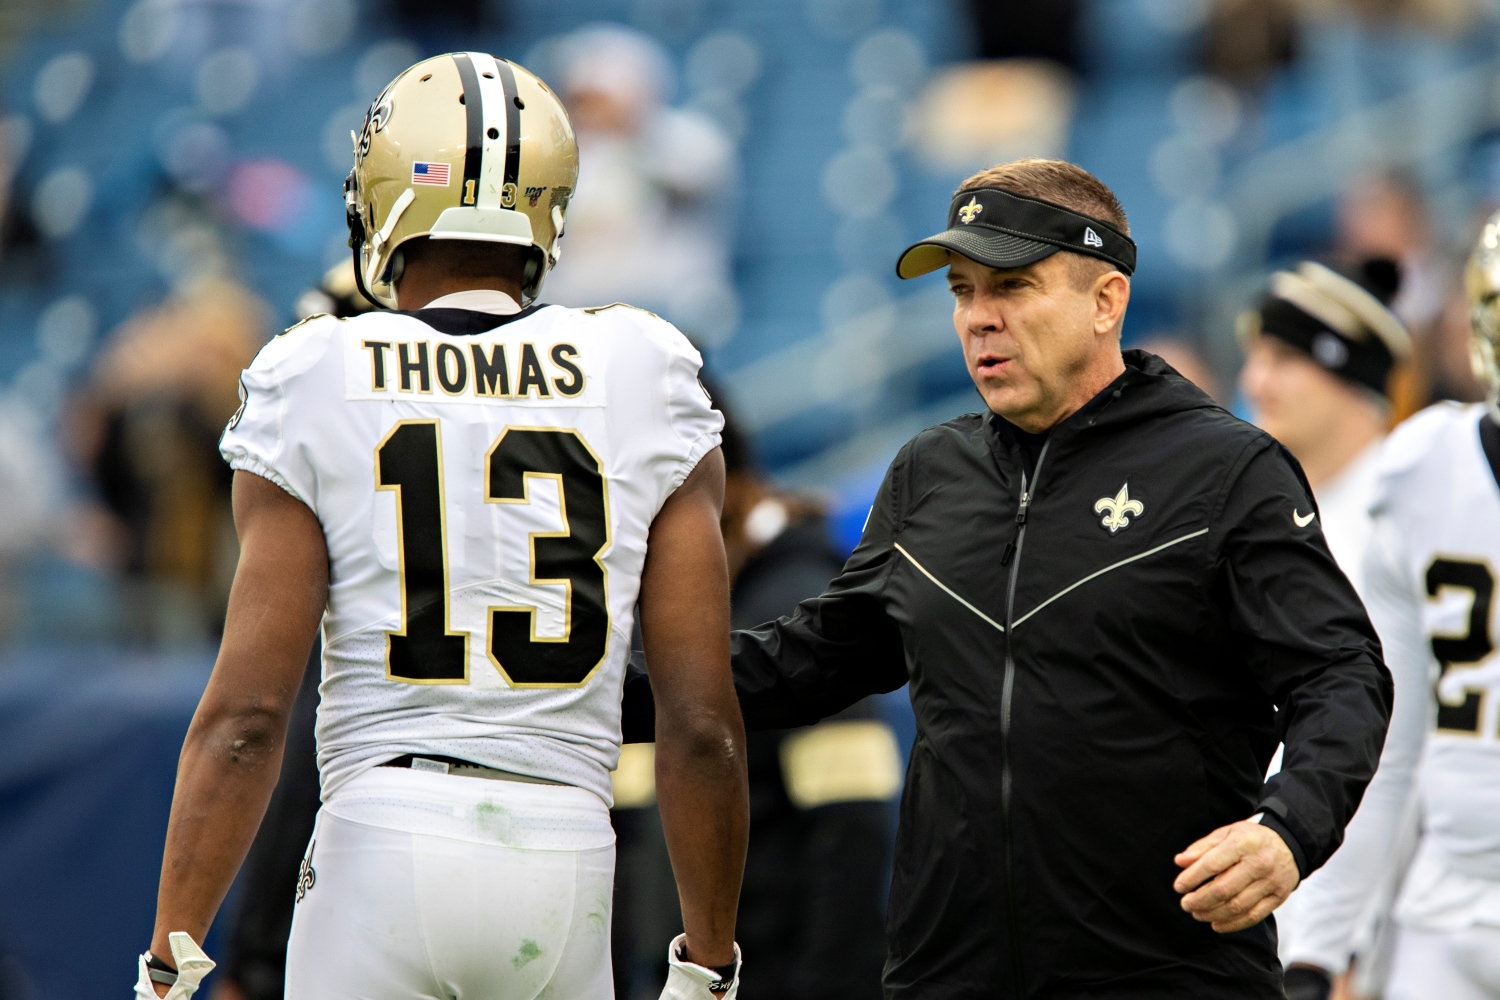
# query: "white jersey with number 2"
[486,481]
[1430,574]
[1432,569]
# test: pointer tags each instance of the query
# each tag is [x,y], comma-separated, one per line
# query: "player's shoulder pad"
[304,321]
[1419,437]
[1416,436]
[620,315]
[298,347]
[626,309]
[627,320]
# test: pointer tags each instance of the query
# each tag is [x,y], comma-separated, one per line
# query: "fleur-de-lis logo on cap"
[1117,509]
[967,213]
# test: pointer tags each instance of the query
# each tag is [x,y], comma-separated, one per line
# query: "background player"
[1319,351]
[1430,589]
[472,496]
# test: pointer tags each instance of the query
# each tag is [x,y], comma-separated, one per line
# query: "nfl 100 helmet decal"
[460,146]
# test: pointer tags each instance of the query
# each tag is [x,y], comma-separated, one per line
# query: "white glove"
[687,981]
[192,966]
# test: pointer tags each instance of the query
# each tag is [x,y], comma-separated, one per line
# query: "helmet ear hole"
[533,271]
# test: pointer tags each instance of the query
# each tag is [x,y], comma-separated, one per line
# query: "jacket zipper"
[1013,556]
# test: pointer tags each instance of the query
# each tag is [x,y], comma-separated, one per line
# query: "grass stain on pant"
[598,917]
[493,820]
[528,953]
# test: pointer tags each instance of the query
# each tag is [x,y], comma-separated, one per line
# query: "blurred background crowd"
[170,198]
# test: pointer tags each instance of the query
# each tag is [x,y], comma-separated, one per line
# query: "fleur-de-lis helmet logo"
[973,208]
[375,121]
[1117,509]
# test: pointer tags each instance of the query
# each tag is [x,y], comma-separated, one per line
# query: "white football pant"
[438,887]
[1446,965]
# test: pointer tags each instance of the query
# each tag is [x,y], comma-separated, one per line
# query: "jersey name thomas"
[486,500]
[484,368]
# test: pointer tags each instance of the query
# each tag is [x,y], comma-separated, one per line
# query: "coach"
[1111,599]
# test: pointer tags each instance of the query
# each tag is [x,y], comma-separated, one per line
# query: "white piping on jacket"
[1071,587]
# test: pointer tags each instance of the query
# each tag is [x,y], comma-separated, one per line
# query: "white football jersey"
[486,499]
[1429,586]
[1431,581]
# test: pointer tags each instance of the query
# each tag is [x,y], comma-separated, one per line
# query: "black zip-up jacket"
[1096,652]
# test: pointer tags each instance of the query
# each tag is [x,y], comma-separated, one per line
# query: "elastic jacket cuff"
[1270,819]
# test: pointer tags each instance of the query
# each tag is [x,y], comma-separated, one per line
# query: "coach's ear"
[1111,296]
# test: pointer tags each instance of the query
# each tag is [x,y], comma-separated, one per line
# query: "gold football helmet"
[1482,279]
[462,146]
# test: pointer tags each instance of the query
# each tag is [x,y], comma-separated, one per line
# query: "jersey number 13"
[425,650]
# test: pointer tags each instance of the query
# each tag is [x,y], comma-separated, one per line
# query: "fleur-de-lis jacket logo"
[1117,509]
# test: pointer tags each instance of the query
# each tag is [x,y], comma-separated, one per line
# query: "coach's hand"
[1236,876]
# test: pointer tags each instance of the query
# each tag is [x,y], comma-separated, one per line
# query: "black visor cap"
[1001,229]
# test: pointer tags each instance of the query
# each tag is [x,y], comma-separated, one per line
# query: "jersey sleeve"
[260,438]
[1334,902]
[695,423]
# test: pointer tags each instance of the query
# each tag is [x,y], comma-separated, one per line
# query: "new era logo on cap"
[1091,238]
[435,174]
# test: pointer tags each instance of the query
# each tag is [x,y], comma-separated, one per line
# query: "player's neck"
[421,285]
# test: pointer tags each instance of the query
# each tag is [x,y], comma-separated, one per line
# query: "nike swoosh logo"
[1301,521]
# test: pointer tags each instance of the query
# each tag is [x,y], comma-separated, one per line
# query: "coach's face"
[1041,340]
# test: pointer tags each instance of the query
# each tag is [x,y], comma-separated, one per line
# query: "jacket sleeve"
[1333,903]
[832,651]
[1310,646]
[836,648]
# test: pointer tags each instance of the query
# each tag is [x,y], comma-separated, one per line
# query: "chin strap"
[357,238]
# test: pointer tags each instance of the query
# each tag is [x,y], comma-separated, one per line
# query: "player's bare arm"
[1236,876]
[700,737]
[231,758]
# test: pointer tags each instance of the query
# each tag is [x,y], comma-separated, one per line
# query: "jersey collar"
[487,300]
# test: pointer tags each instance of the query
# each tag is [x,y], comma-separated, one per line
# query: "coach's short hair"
[1056,181]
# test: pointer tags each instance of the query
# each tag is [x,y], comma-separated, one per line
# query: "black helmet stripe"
[474,112]
[512,127]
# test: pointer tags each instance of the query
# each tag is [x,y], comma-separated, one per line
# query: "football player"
[1430,582]
[470,492]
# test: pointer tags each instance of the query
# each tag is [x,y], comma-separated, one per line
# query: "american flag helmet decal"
[435,174]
